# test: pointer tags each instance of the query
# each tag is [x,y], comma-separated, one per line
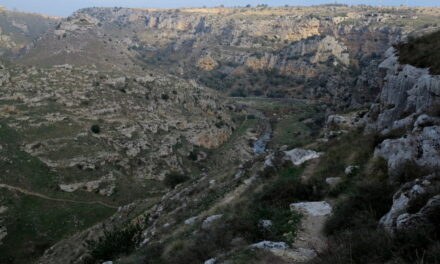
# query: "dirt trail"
[311,234]
[42,196]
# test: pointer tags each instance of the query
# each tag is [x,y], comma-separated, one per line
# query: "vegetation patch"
[35,224]
[95,129]
[422,52]
[115,243]
[172,179]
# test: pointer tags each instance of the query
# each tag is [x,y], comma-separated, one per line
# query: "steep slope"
[18,29]
[389,211]
[327,53]
[75,141]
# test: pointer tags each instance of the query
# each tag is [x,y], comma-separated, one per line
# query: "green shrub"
[193,155]
[115,243]
[364,206]
[422,52]
[173,179]
[273,202]
[239,92]
[360,246]
[95,129]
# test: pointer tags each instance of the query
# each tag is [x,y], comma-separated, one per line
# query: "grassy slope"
[33,223]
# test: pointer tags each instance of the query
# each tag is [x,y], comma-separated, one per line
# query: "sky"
[66,7]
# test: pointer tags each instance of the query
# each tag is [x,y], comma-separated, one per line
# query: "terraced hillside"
[76,141]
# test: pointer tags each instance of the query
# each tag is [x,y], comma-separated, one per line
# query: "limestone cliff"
[277,52]
[406,117]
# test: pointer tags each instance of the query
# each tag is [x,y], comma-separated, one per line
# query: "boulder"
[299,156]
[335,120]
[333,181]
[210,261]
[191,220]
[281,249]
[350,170]
[269,245]
[265,224]
[313,208]
[209,220]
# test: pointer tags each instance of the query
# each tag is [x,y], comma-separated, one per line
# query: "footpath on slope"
[42,196]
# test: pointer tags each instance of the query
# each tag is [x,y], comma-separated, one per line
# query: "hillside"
[324,53]
[364,190]
[18,29]
[221,136]
[75,140]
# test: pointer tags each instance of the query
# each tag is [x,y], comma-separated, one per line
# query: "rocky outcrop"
[104,186]
[328,47]
[281,249]
[313,208]
[207,63]
[406,117]
[415,205]
[408,112]
[147,125]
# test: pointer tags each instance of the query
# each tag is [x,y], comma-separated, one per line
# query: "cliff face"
[407,117]
[277,52]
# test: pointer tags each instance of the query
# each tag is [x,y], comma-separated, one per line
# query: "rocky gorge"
[221,135]
[324,53]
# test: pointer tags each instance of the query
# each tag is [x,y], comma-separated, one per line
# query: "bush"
[193,155]
[173,179]
[364,206]
[239,92]
[374,245]
[95,129]
[115,243]
[359,246]
[422,52]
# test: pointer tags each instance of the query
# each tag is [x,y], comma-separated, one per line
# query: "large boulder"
[299,156]
[313,208]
